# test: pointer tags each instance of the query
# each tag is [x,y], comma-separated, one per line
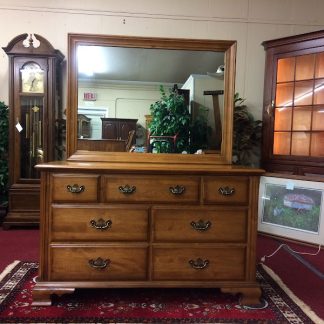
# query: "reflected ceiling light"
[219,72]
[86,62]
[303,96]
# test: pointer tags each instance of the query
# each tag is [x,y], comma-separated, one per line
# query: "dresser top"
[159,168]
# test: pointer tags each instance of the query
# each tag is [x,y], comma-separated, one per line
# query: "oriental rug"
[144,305]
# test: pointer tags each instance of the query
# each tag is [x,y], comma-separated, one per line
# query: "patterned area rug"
[143,305]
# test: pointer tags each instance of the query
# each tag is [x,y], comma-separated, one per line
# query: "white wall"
[248,21]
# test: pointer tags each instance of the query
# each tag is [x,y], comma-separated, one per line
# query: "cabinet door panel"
[110,130]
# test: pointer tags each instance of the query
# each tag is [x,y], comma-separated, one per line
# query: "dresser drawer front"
[74,188]
[98,263]
[199,263]
[152,189]
[96,223]
[226,189]
[200,224]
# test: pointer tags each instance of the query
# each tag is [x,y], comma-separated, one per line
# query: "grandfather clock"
[35,108]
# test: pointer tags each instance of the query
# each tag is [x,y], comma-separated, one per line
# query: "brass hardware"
[269,108]
[127,189]
[201,225]
[75,188]
[199,264]
[99,263]
[177,190]
[226,191]
[101,224]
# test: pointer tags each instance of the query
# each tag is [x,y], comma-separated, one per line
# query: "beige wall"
[248,21]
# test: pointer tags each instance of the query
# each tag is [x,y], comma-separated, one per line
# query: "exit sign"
[89,96]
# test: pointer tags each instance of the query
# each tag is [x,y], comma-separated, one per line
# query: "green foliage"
[247,134]
[170,116]
[4,144]
[200,130]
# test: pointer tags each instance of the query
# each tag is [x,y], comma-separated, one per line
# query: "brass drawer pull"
[99,263]
[226,191]
[177,190]
[201,225]
[101,224]
[127,189]
[75,188]
[199,264]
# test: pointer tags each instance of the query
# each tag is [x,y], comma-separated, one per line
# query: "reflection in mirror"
[121,97]
[117,87]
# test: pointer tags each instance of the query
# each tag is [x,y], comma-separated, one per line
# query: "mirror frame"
[227,46]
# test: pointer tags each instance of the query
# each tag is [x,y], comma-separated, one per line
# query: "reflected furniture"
[163,144]
[117,128]
[293,115]
[84,126]
[35,105]
[121,219]
[103,145]
[130,140]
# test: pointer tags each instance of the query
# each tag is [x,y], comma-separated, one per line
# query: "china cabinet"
[84,126]
[293,115]
[138,219]
[118,128]
[34,102]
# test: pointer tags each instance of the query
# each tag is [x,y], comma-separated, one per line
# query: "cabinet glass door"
[299,106]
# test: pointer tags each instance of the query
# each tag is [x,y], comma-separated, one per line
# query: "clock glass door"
[30,117]
[31,135]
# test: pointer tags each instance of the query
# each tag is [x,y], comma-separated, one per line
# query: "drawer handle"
[226,191]
[177,190]
[199,264]
[201,225]
[99,263]
[75,188]
[101,224]
[127,190]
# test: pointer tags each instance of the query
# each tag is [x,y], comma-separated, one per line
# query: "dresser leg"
[249,295]
[42,296]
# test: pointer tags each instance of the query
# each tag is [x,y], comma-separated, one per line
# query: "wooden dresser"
[109,225]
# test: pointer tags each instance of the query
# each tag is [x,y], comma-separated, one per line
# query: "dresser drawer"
[98,223]
[198,263]
[74,187]
[220,224]
[151,189]
[98,263]
[226,189]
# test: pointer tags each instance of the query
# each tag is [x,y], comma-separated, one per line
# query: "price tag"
[19,127]
[290,185]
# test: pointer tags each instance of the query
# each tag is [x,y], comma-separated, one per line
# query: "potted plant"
[171,117]
[4,130]
[247,134]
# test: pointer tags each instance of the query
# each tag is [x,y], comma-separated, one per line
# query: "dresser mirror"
[114,80]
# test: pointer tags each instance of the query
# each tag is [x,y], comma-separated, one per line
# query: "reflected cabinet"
[294,105]
[34,103]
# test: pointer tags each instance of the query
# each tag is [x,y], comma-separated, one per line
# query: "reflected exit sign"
[89,96]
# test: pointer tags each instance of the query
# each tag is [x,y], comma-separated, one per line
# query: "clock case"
[39,114]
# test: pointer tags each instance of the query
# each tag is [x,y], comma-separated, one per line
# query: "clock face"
[32,78]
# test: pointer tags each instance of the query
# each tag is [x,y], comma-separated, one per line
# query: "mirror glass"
[148,95]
